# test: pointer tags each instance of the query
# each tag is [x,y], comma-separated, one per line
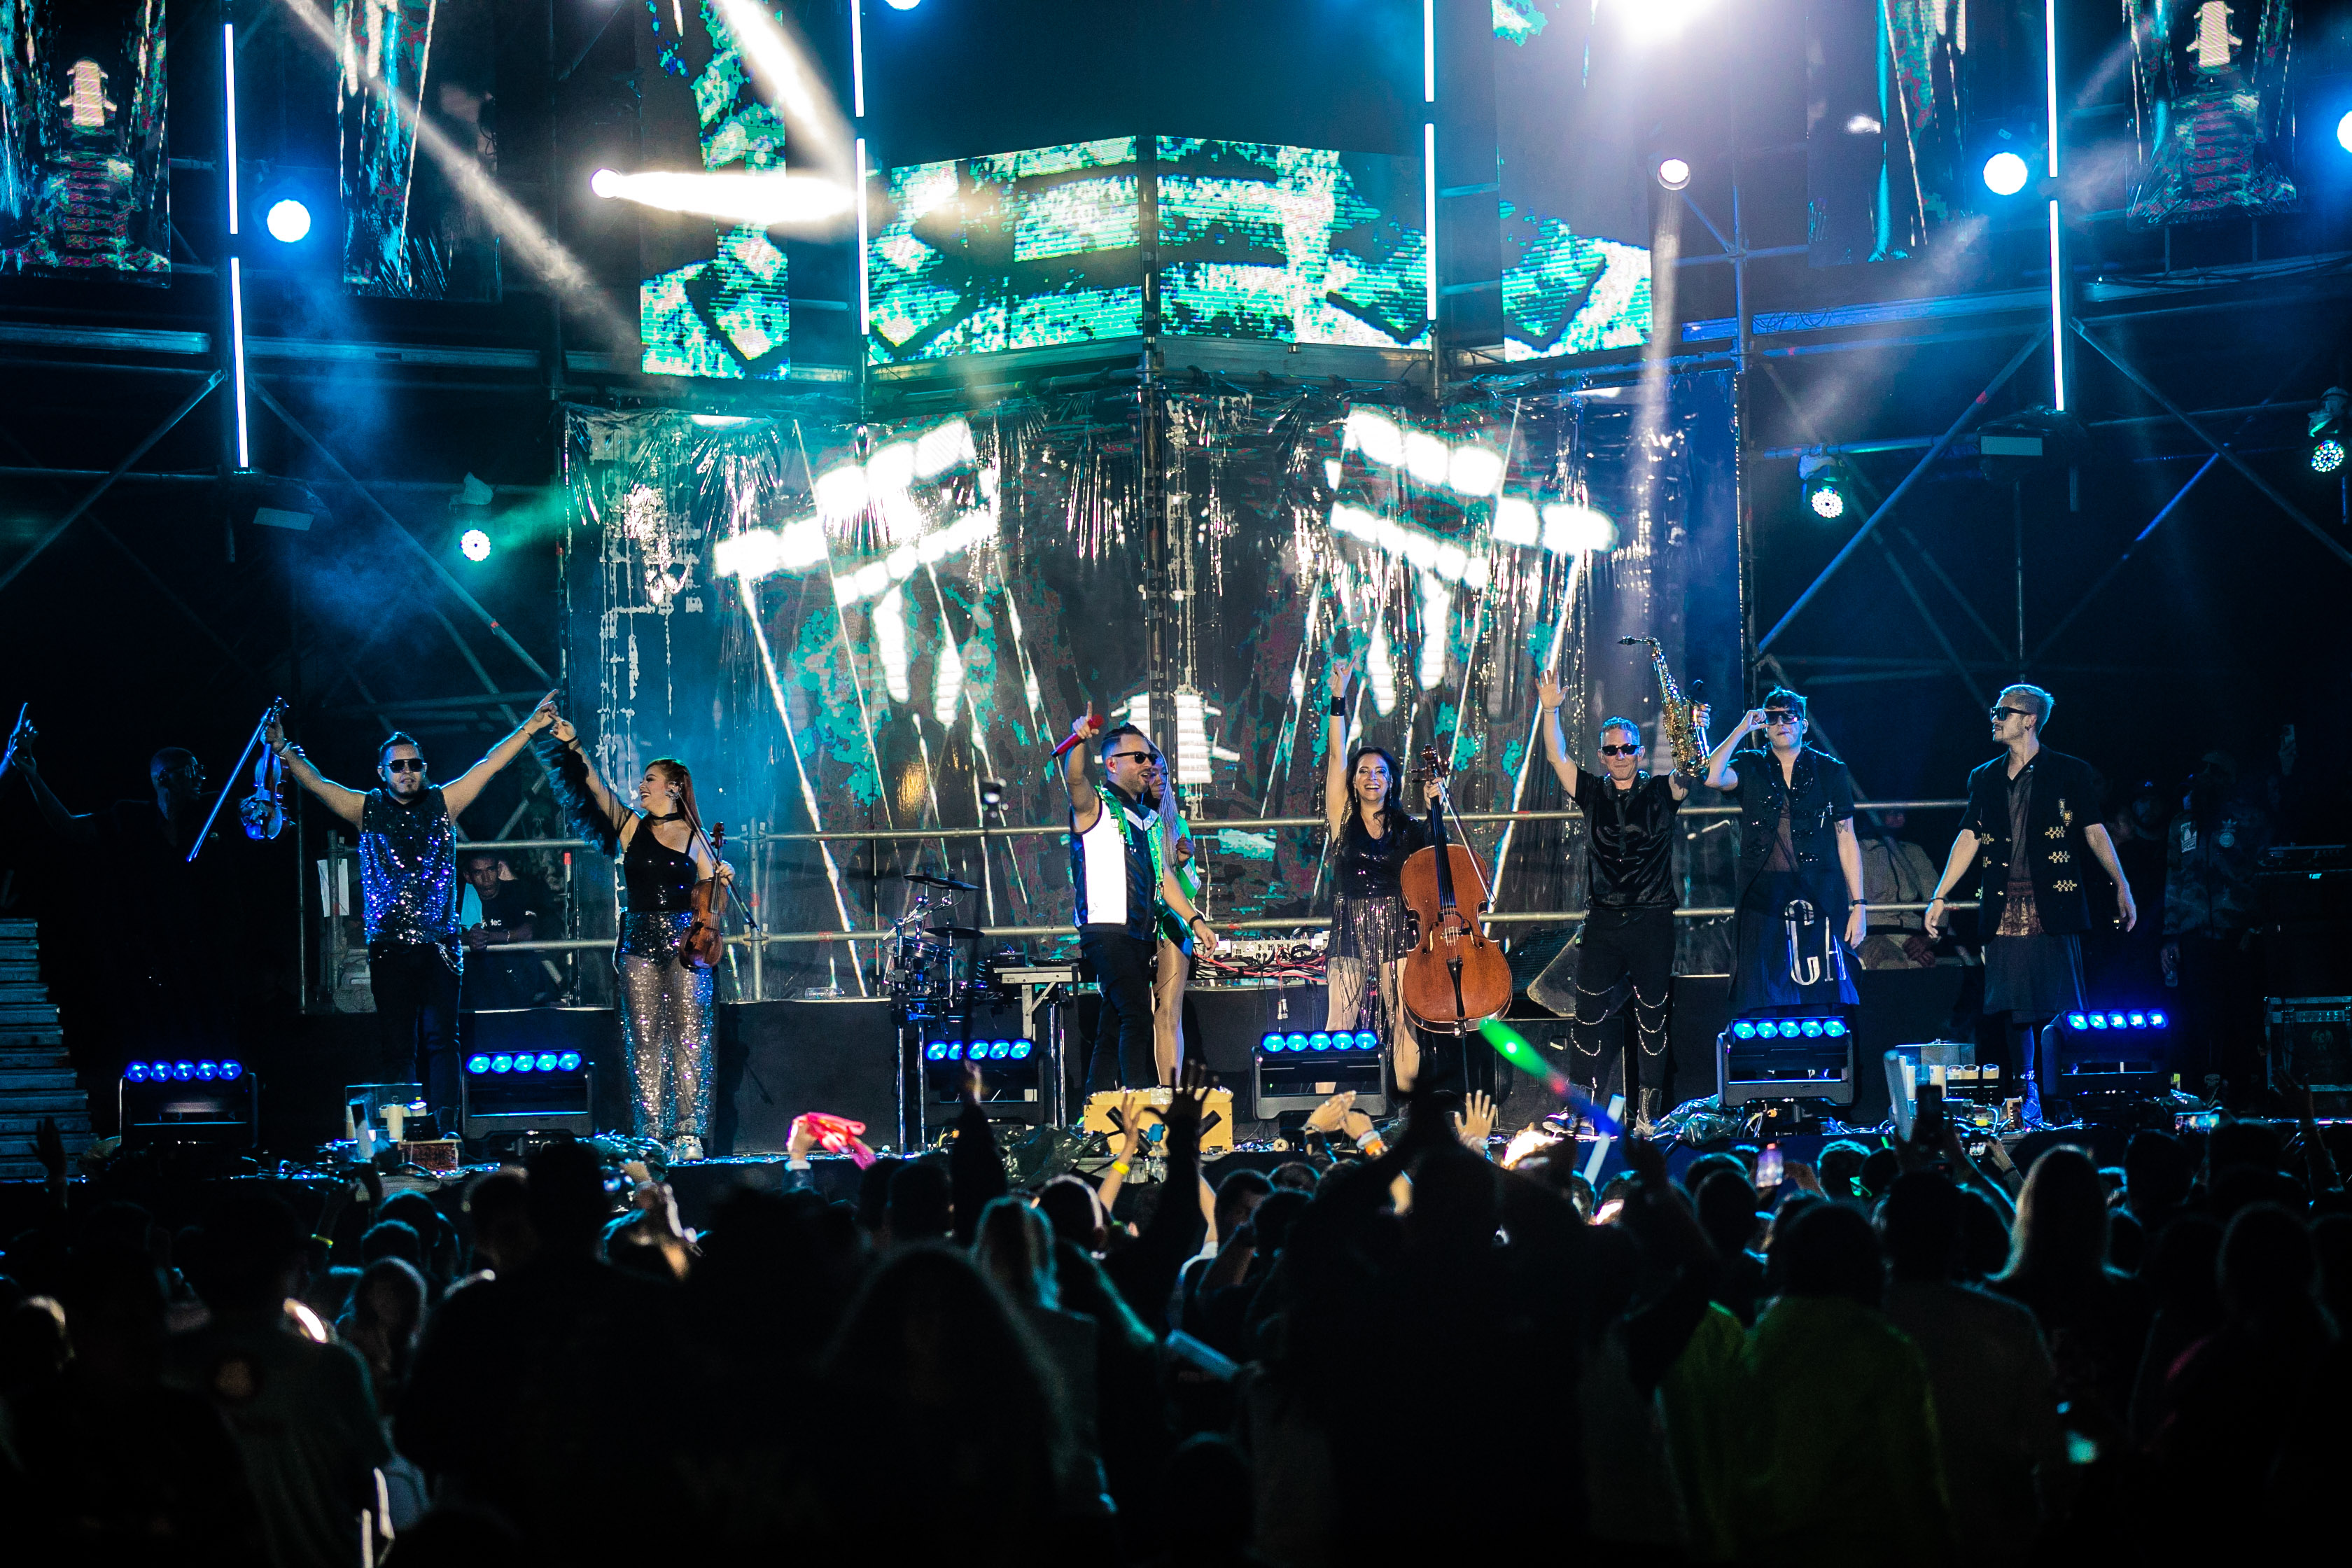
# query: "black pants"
[1621,948]
[1121,1056]
[416,1007]
[2219,1002]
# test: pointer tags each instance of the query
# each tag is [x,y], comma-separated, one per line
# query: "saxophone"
[1678,720]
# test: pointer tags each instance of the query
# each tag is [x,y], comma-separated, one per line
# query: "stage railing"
[755,838]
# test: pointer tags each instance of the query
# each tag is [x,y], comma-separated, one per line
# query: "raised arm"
[1955,866]
[1548,697]
[1720,773]
[459,792]
[344,802]
[1085,800]
[1335,750]
[20,764]
[600,795]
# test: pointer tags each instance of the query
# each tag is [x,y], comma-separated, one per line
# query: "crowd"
[1376,1352]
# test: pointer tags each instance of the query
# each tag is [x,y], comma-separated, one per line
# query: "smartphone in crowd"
[1770,1167]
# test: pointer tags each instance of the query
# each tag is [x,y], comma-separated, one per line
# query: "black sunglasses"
[1620,750]
[405,765]
[1115,756]
[1780,716]
[2000,714]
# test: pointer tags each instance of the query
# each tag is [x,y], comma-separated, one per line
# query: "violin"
[1455,976]
[265,811]
[705,939]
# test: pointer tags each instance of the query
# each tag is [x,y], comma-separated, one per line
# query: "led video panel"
[730,317]
[84,187]
[1012,250]
[1291,244]
[409,233]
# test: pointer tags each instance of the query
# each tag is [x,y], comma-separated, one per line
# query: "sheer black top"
[660,879]
[1371,867]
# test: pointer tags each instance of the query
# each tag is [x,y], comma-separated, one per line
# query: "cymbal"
[957,932]
[925,879]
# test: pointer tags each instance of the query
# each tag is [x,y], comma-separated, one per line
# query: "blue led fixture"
[1789,1029]
[2150,1019]
[478,1064]
[136,1072]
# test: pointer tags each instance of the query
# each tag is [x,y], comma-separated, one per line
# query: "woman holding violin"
[1372,931]
[674,879]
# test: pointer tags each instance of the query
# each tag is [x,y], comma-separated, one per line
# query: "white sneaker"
[685,1151]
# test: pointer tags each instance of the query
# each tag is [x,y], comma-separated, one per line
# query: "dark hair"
[1392,806]
[1239,1188]
[922,1203]
[2061,1234]
[873,1191]
[1924,1220]
[250,1238]
[1110,739]
[392,1238]
[1831,1251]
[1726,1212]
[170,758]
[1783,697]
[678,776]
[567,1202]
[1295,1176]
[397,737]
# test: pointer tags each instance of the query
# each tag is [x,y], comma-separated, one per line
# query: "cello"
[1456,976]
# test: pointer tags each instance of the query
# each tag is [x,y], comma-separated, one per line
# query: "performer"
[1372,835]
[408,882]
[1628,934]
[665,1011]
[1119,872]
[1174,970]
[1800,867]
[2035,814]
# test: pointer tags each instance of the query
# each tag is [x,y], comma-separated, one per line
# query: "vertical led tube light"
[865,288]
[857,57]
[1428,215]
[2057,247]
[236,268]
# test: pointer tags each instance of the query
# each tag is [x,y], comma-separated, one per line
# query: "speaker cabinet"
[777,1059]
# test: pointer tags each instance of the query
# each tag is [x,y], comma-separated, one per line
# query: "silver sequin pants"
[666,1022]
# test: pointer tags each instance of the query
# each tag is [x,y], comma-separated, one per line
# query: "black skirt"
[2033,977]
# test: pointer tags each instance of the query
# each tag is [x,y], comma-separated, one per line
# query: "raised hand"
[1548,691]
[1189,1100]
[1477,1122]
[541,716]
[1337,677]
[20,745]
[1130,1122]
[561,728]
[1328,1116]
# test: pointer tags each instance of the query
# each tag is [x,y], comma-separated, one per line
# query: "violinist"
[408,883]
[664,1002]
[1372,835]
[1627,939]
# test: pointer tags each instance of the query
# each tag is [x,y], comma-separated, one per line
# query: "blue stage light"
[1367,1041]
[474,544]
[904,5]
[288,222]
[1021,1049]
[159,1071]
[1270,1043]
[2156,1020]
[2076,1021]
[136,1072]
[1743,1030]
[1319,1041]
[2098,1020]
[1294,1042]
[569,1061]
[231,1070]
[502,1063]
[2114,1020]
[207,1071]
[999,1049]
[183,1071]
[2138,1020]
[547,1061]
[2005,174]
[1834,1028]
[525,1061]
[937,1050]
[1812,1029]
[478,1064]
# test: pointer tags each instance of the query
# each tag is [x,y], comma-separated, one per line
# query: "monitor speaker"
[777,1059]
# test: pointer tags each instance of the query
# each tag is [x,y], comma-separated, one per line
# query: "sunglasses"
[1131,756]
[1620,750]
[405,765]
[1780,716]
[2000,714]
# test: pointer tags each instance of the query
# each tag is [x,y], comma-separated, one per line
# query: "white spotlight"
[1474,470]
[289,221]
[1572,530]
[2004,174]
[1515,522]
[1377,436]
[1436,630]
[890,641]
[1674,174]
[1379,672]
[767,200]
[2344,132]
[1426,458]
[946,684]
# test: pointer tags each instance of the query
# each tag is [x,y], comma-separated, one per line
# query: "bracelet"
[1365,1140]
[1338,708]
[1197,919]
[1120,1167]
[323,1240]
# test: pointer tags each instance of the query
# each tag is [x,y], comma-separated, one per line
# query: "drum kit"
[924,983]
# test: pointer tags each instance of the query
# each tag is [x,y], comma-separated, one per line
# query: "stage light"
[1834,1028]
[1376,435]
[1515,521]
[524,1061]
[1318,1041]
[478,1064]
[1426,458]
[2326,456]
[136,1072]
[474,544]
[207,1071]
[2344,132]
[1569,529]
[502,1063]
[2098,1020]
[159,1071]
[2076,1021]
[937,1050]
[2156,1020]
[757,552]
[999,1049]
[904,5]
[2138,1020]
[183,1071]
[1812,1028]
[288,222]
[1825,484]
[1674,172]
[1743,1030]
[231,1070]
[760,200]
[1269,1043]
[1021,1049]
[2328,429]
[2114,1020]
[1294,1042]
[2005,174]
[1474,470]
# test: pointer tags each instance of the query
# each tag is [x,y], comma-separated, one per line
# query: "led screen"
[408,233]
[1012,250]
[728,316]
[1568,119]
[83,180]
[1291,244]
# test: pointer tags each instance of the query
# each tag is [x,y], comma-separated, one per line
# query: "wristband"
[1367,1139]
[1338,708]
[323,1240]
[1197,919]
[796,1162]
[1120,1167]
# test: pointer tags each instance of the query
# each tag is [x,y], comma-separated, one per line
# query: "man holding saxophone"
[1628,935]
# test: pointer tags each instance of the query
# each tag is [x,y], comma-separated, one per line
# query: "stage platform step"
[37,1078]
